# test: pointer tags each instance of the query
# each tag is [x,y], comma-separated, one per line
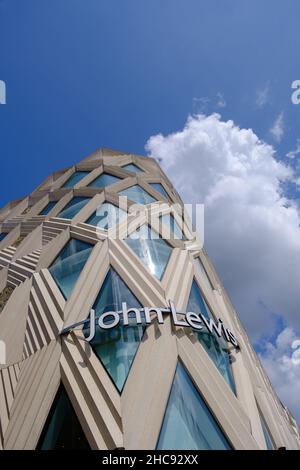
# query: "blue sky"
[85,74]
[81,75]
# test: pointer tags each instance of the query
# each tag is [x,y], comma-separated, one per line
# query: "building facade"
[179,374]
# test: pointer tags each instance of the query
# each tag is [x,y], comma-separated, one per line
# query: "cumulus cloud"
[277,130]
[281,361]
[251,230]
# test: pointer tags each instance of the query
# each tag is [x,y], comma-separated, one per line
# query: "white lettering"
[194,320]
[107,326]
[296,95]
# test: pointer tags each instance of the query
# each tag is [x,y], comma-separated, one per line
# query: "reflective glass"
[267,435]
[117,347]
[62,430]
[48,208]
[69,264]
[75,178]
[104,180]
[159,187]
[151,249]
[132,167]
[137,195]
[175,231]
[73,207]
[106,216]
[188,423]
[215,347]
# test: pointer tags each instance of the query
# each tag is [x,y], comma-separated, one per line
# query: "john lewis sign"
[126,316]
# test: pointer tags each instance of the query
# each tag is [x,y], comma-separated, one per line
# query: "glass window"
[175,231]
[117,347]
[62,430]
[69,264]
[75,178]
[215,347]
[73,207]
[137,195]
[151,249]
[188,423]
[104,180]
[106,216]
[203,272]
[48,208]
[159,187]
[267,435]
[132,167]
[2,236]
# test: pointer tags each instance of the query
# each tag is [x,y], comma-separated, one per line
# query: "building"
[137,386]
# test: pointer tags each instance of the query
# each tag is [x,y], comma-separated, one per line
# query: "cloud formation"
[262,96]
[251,230]
[295,152]
[277,130]
[282,363]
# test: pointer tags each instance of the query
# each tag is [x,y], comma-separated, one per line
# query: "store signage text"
[125,317]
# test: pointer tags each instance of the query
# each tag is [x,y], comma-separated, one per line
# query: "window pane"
[152,250]
[75,178]
[48,208]
[106,216]
[159,187]
[104,180]
[69,264]
[73,207]
[137,195]
[175,231]
[117,347]
[132,167]
[2,236]
[215,347]
[188,423]
[62,430]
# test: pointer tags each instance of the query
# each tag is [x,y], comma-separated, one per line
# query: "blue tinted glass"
[62,430]
[117,347]
[103,180]
[188,423]
[132,167]
[175,231]
[213,345]
[138,195]
[48,208]
[106,216]
[159,187]
[73,207]
[69,264]
[152,250]
[75,178]
[268,439]
[2,236]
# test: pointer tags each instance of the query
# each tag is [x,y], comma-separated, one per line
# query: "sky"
[201,85]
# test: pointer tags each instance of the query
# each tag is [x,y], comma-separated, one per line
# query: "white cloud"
[221,103]
[251,231]
[283,370]
[296,151]
[277,130]
[262,96]
[200,104]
